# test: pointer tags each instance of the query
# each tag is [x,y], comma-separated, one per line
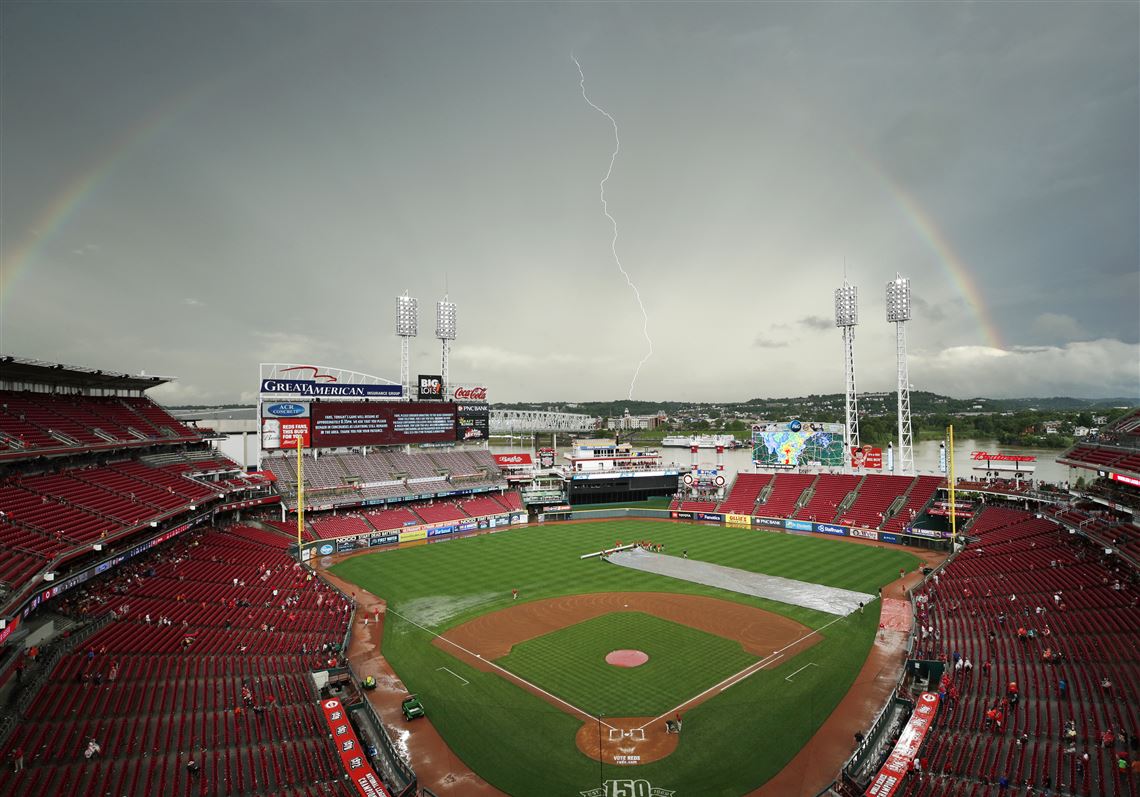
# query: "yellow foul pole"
[300,496]
[953,505]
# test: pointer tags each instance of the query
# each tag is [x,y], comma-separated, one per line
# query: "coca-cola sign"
[512,459]
[470,394]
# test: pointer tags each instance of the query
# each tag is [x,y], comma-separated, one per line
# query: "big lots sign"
[470,394]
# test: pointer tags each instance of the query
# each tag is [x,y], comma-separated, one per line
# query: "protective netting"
[785,590]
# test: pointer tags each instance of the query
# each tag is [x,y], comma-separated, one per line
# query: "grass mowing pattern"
[523,745]
[571,663]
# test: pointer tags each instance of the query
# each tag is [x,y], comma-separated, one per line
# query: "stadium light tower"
[445,331]
[846,317]
[898,313]
[407,326]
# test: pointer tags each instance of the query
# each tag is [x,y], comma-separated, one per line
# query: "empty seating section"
[745,490]
[353,477]
[786,491]
[1093,455]
[36,422]
[439,513]
[398,517]
[51,515]
[1027,573]
[339,526]
[510,500]
[160,699]
[481,506]
[392,518]
[830,490]
[921,494]
[876,494]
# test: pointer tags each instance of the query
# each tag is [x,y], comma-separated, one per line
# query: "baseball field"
[520,688]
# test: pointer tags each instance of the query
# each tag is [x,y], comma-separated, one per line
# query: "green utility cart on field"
[412,708]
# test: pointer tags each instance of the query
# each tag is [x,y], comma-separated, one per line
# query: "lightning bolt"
[614,224]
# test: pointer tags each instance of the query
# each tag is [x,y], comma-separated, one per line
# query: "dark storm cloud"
[197,210]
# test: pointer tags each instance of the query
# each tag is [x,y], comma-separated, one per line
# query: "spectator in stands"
[1062,687]
[17,756]
[93,749]
[192,767]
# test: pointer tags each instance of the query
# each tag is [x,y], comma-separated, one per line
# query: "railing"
[47,660]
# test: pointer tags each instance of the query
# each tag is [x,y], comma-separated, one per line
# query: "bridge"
[513,421]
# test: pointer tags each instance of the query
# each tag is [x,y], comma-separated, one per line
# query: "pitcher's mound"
[626,658]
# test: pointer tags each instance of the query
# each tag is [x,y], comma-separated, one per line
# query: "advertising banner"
[546,457]
[738,521]
[892,538]
[429,387]
[930,534]
[342,423]
[314,389]
[865,534]
[835,531]
[986,456]
[440,531]
[715,518]
[868,457]
[285,409]
[797,525]
[461,394]
[409,535]
[512,460]
[472,421]
[352,755]
[901,759]
[385,539]
[770,522]
[283,433]
[681,515]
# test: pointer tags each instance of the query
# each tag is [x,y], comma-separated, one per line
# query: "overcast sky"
[195,188]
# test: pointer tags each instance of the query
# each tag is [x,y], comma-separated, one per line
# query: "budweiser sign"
[986,456]
[470,394]
[512,459]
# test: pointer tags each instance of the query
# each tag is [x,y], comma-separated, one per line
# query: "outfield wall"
[430,532]
[922,537]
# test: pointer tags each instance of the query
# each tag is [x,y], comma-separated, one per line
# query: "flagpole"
[300,495]
[953,505]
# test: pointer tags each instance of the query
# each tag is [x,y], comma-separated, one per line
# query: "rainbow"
[66,203]
[951,262]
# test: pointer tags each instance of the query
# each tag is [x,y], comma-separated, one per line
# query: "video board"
[472,421]
[794,444]
[351,423]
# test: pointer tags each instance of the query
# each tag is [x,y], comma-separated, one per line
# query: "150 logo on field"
[628,788]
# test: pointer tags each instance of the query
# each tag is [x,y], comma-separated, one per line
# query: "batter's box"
[636,734]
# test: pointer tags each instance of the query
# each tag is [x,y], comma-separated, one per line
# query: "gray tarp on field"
[785,590]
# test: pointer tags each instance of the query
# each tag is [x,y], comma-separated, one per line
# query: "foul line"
[797,672]
[732,682]
[460,677]
[510,675]
[751,669]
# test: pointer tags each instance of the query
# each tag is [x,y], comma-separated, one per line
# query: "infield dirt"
[625,740]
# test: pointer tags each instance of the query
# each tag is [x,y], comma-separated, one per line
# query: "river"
[925,458]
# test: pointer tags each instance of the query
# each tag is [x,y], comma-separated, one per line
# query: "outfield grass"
[525,746]
[571,663]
